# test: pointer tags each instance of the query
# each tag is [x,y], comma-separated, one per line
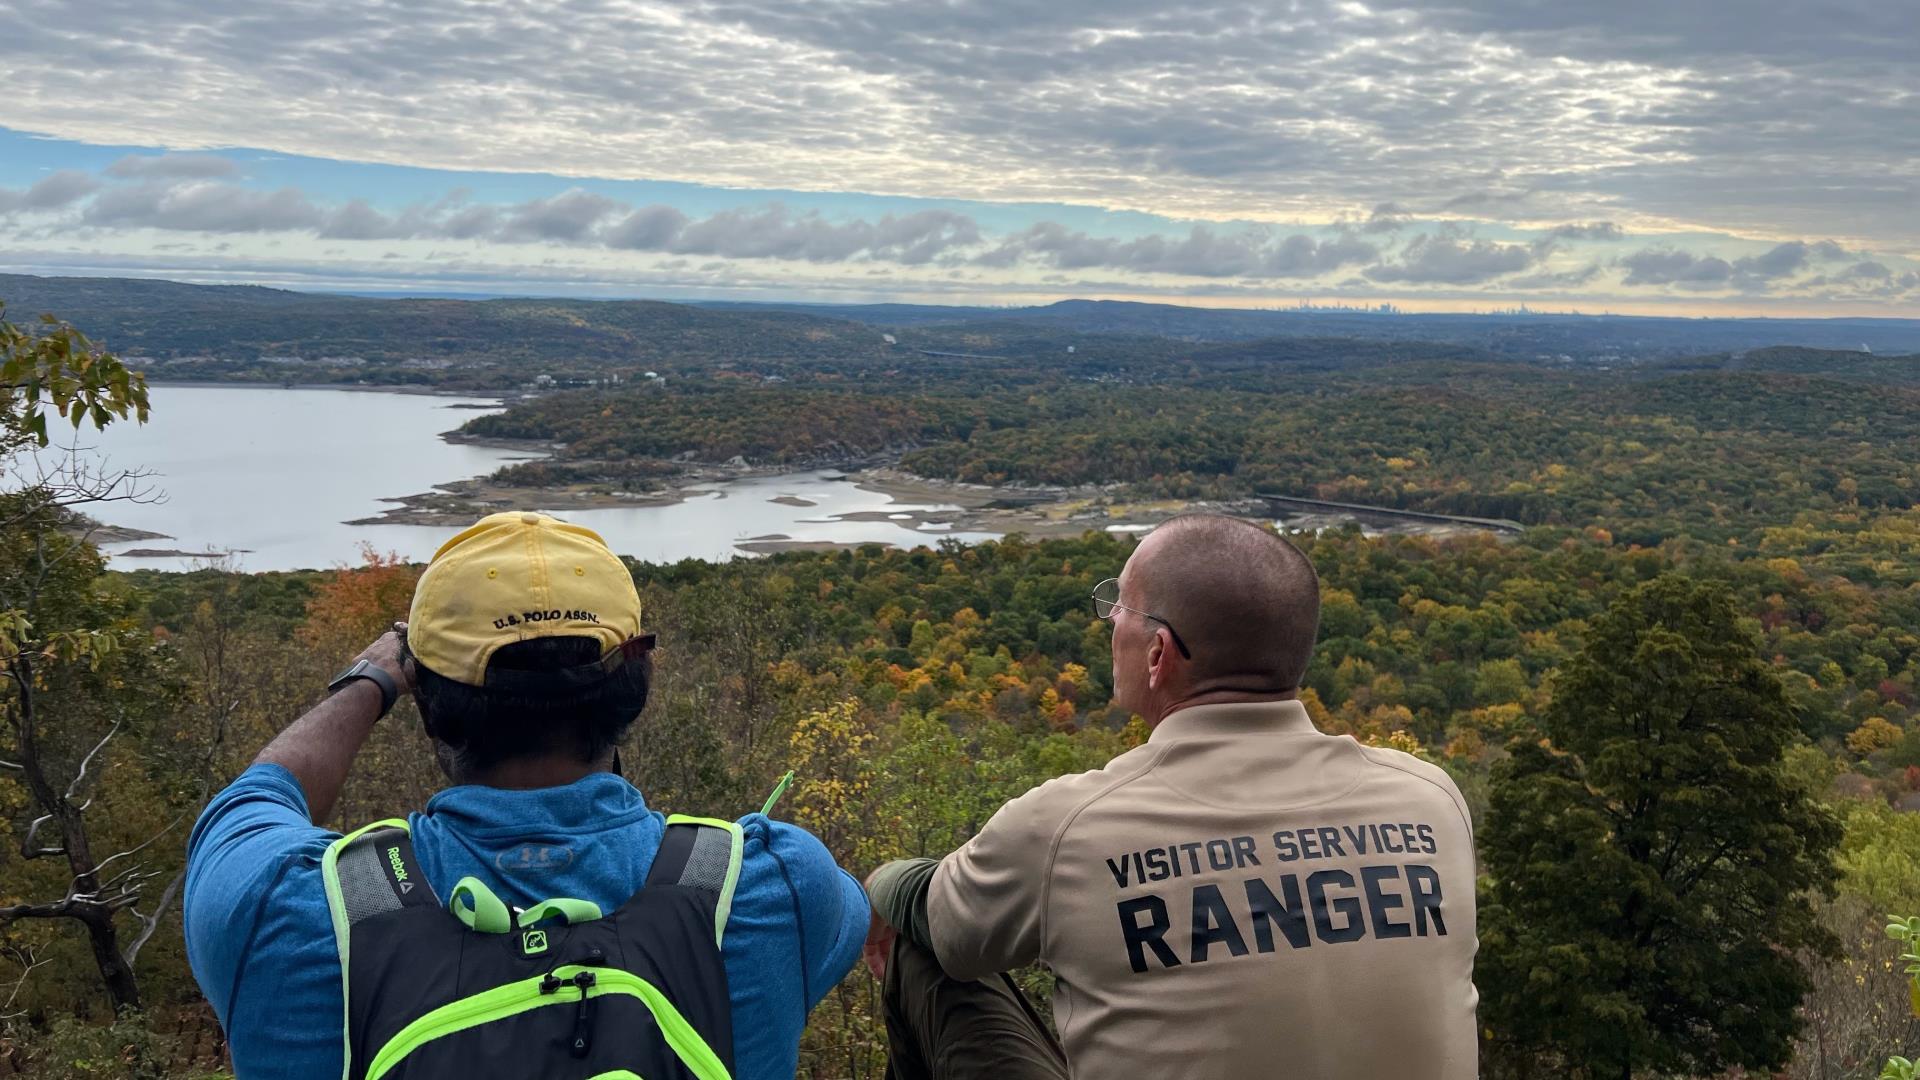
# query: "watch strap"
[373,673]
[389,691]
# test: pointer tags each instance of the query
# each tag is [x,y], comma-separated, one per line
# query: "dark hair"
[483,727]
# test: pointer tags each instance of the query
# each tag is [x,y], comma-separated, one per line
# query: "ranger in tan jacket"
[1240,897]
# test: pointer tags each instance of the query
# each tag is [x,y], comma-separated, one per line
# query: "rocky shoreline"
[503,398]
[972,508]
[460,503]
[960,508]
[177,553]
[94,532]
[1033,511]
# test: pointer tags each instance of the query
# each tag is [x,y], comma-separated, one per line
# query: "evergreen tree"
[1648,860]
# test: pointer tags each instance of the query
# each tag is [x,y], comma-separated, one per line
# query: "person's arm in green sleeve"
[981,909]
[898,892]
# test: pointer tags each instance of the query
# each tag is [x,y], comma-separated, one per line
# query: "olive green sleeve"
[898,892]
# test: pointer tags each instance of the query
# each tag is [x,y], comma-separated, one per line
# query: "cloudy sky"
[1672,156]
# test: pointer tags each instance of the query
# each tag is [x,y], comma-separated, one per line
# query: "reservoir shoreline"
[456,503]
[280,481]
[269,479]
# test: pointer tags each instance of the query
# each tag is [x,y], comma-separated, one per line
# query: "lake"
[274,474]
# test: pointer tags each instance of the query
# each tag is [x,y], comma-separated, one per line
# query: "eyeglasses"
[1106,601]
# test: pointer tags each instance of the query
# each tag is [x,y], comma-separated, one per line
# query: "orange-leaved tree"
[357,604]
[394,773]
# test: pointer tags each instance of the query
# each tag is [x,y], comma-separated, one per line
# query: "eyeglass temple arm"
[1113,605]
[1184,651]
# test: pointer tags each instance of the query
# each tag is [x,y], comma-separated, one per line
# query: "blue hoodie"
[261,942]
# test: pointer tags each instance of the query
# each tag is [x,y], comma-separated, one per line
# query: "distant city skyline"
[1639,157]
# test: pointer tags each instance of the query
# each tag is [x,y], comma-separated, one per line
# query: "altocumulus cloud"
[201,206]
[1747,116]
[1392,246]
[774,232]
[1453,260]
[1755,273]
[53,192]
[1788,258]
[1204,252]
[168,193]
[175,197]
[1657,266]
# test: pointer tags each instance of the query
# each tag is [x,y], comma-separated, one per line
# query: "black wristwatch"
[367,669]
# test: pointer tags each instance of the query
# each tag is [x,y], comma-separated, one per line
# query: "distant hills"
[242,322]
[1582,337]
[250,324]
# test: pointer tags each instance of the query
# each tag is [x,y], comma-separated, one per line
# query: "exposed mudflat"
[176,553]
[773,547]
[462,502]
[969,508]
[1033,511]
[116,534]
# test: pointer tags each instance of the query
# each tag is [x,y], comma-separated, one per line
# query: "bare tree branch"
[148,842]
[118,892]
[81,774]
[122,890]
[23,955]
[73,907]
[73,477]
[150,923]
[28,851]
[77,474]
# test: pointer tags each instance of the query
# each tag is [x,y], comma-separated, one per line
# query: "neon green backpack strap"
[369,872]
[476,905]
[778,790]
[574,911]
[701,853]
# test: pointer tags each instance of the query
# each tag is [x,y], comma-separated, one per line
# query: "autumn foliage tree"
[347,610]
[76,673]
[357,604]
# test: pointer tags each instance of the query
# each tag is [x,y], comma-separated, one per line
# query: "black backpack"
[473,990]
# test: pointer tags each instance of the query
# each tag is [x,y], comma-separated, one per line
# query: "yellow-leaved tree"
[80,684]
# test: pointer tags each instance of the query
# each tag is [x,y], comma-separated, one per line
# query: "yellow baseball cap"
[518,576]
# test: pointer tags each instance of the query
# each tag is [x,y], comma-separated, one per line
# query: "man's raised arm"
[319,748]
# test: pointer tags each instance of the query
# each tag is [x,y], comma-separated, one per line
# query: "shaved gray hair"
[1245,601]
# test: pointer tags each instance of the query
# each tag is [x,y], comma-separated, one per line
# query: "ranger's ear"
[1159,657]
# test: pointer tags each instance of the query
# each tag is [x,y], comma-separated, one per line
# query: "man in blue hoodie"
[525,653]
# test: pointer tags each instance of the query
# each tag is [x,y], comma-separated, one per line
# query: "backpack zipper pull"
[583,1015]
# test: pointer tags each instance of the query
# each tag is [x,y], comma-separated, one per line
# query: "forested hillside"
[915,691]
[1708,450]
[241,324]
[395,339]
[1750,519]
[1525,335]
